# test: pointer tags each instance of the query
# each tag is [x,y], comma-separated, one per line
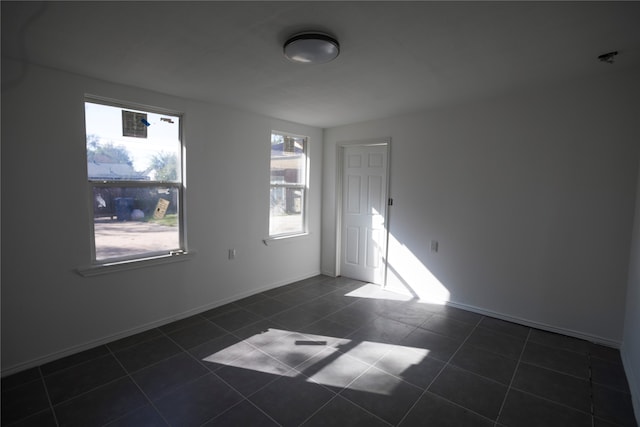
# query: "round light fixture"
[311,48]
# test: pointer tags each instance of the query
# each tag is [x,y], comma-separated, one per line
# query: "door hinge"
[390,202]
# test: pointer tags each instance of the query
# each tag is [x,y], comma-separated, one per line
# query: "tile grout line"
[515,371]
[475,326]
[29,417]
[256,348]
[110,352]
[136,343]
[546,399]
[162,333]
[440,372]
[128,375]
[448,363]
[75,365]
[308,300]
[370,366]
[437,396]
[335,395]
[338,396]
[339,393]
[210,372]
[565,373]
[84,393]
[198,315]
[269,318]
[556,346]
[109,382]
[245,399]
[157,362]
[289,308]
[475,374]
[46,390]
[591,390]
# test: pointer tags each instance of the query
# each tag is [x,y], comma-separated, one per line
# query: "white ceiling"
[396,57]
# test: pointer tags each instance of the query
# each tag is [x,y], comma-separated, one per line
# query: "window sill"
[114,267]
[286,238]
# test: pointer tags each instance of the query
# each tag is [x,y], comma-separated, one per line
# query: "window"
[287,214]
[134,160]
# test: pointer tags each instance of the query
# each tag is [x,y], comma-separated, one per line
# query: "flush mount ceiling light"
[311,48]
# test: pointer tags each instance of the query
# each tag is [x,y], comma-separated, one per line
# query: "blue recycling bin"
[124,206]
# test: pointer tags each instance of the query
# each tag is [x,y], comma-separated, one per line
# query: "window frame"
[303,187]
[144,258]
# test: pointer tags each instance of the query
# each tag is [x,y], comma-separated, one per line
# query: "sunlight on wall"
[407,275]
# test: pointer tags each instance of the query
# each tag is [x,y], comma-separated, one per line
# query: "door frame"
[341,146]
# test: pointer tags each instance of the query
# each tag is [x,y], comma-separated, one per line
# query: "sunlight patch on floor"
[373,291]
[336,365]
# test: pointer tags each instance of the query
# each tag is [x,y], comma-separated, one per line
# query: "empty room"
[320,213]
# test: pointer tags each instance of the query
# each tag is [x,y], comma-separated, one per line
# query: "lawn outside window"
[134,172]
[288,185]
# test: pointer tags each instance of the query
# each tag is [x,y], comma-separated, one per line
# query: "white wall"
[47,308]
[529,194]
[631,342]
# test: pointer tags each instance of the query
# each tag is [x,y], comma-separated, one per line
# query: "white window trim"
[269,241]
[145,259]
[304,187]
[132,264]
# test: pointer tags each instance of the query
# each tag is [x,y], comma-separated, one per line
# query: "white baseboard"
[328,273]
[161,322]
[538,325]
[143,328]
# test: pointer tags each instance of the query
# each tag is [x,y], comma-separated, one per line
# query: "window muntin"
[288,180]
[134,172]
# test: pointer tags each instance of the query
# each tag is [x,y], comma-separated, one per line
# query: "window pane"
[134,172]
[133,221]
[286,214]
[288,179]
[288,159]
[128,145]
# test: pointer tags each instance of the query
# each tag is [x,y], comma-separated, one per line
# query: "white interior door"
[364,207]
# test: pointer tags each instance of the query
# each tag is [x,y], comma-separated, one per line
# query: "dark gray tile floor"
[313,353]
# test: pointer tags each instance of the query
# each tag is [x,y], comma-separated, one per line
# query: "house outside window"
[289,185]
[134,159]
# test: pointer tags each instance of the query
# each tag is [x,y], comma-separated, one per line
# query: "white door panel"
[353,190]
[364,196]
[352,245]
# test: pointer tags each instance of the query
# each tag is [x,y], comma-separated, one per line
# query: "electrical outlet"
[434,246]
[233,253]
